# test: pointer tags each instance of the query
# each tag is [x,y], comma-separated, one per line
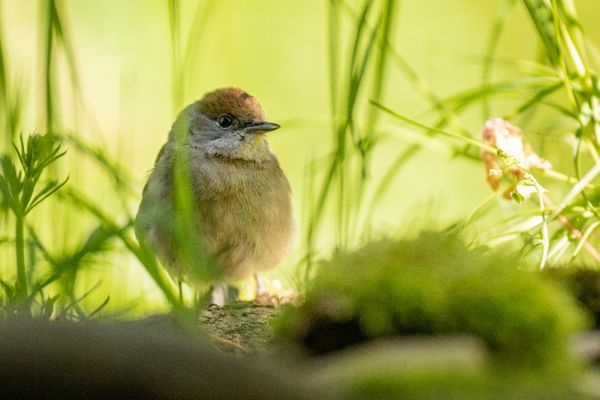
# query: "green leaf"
[48,307]
[8,289]
[517,197]
[48,191]
[10,185]
[100,307]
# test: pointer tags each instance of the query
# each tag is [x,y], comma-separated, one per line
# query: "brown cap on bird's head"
[232,101]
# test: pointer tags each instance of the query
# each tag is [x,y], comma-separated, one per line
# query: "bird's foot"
[262,295]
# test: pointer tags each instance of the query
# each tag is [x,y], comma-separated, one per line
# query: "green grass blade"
[577,189]
[541,15]
[464,139]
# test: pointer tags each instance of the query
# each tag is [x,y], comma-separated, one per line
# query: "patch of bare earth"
[240,327]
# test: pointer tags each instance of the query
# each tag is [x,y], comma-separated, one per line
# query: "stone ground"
[241,327]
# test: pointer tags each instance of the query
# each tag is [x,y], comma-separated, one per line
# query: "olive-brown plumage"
[241,198]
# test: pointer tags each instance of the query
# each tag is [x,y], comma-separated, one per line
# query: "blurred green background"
[120,84]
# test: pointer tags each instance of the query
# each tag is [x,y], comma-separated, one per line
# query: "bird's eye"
[225,121]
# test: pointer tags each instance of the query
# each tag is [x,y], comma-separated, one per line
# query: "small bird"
[240,197]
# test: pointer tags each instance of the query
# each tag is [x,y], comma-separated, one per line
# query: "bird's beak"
[261,127]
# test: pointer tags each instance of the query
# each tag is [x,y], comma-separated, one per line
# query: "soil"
[240,327]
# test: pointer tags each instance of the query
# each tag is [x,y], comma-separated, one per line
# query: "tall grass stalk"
[54,38]
[175,36]
[354,135]
[10,100]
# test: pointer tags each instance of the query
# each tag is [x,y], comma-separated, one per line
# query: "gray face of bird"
[228,135]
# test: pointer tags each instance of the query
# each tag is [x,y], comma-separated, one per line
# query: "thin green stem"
[177,72]
[559,176]
[21,287]
[577,189]
[48,53]
[589,230]
[571,33]
[559,33]
[333,55]
[465,139]
[544,229]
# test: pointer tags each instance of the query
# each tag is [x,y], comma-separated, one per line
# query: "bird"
[242,216]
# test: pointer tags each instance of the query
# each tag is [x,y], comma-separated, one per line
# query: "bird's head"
[228,123]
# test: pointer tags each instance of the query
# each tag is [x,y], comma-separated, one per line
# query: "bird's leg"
[222,294]
[261,290]
[218,294]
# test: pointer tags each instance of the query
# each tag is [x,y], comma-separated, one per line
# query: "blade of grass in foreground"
[175,36]
[10,111]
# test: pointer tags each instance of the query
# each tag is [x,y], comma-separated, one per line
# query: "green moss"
[459,385]
[435,284]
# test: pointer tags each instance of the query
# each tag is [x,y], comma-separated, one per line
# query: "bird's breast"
[245,211]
